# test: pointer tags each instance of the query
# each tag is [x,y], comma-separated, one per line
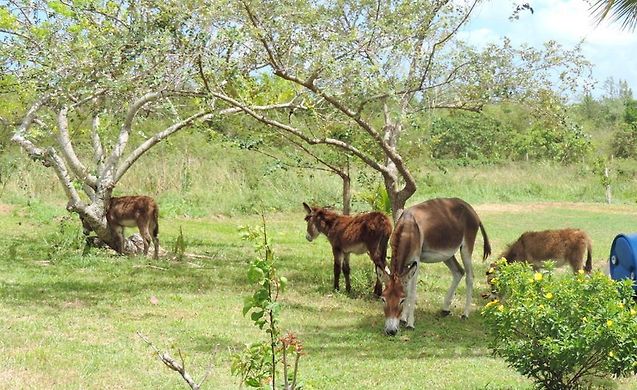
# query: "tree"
[624,11]
[91,72]
[372,66]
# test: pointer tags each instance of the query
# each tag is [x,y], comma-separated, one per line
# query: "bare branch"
[145,146]
[69,153]
[63,174]
[298,133]
[98,150]
[173,364]
[20,134]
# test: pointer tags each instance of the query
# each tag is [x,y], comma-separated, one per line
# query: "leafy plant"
[257,364]
[561,332]
[377,198]
[179,249]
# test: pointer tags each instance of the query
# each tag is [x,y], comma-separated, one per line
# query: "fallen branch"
[175,366]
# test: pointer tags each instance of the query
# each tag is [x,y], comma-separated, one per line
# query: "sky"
[612,52]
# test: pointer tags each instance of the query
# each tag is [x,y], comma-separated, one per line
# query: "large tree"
[372,66]
[90,72]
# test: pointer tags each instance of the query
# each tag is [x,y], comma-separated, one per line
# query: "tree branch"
[298,133]
[19,135]
[96,142]
[149,143]
[68,152]
[174,365]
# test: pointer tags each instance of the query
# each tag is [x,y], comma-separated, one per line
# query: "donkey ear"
[409,273]
[383,276]
[308,209]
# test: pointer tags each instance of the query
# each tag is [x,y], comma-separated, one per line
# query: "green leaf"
[255,274]
[7,20]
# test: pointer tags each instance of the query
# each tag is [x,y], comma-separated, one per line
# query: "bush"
[562,332]
[624,143]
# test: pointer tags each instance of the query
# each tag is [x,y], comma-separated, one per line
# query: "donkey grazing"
[429,232]
[129,211]
[563,246]
[368,232]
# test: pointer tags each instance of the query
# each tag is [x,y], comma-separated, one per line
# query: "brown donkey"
[368,232]
[429,232]
[564,246]
[129,211]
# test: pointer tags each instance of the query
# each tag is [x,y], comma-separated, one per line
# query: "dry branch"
[174,365]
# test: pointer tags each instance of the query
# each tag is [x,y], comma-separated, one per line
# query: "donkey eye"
[383,299]
[402,300]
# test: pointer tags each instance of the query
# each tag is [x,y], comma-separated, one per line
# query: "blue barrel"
[623,258]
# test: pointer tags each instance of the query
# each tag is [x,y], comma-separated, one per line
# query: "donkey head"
[394,295]
[514,252]
[313,219]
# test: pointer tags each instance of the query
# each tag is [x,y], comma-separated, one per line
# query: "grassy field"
[70,321]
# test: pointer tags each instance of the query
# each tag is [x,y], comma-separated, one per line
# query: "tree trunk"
[347,194]
[93,219]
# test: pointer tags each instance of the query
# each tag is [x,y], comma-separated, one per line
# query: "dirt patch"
[533,207]
[5,209]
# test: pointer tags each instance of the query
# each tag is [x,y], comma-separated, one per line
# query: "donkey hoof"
[464,317]
[409,327]
[445,313]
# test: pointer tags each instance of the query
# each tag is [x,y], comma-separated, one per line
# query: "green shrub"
[624,142]
[562,332]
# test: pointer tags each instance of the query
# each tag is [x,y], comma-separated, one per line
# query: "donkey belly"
[357,249]
[128,223]
[436,255]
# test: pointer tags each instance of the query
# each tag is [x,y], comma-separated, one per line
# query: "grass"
[70,321]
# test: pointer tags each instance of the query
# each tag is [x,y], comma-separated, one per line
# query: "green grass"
[70,321]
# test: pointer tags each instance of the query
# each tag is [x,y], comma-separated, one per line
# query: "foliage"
[257,365]
[377,198]
[67,239]
[560,331]
[179,249]
[469,138]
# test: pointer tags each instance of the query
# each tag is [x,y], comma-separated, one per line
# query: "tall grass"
[193,176]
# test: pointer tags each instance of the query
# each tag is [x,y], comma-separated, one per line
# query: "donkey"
[129,211]
[367,232]
[429,232]
[563,246]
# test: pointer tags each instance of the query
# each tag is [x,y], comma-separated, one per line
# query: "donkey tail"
[156,220]
[487,245]
[589,257]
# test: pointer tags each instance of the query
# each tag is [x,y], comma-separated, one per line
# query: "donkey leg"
[143,231]
[465,254]
[346,270]
[337,267]
[457,272]
[411,299]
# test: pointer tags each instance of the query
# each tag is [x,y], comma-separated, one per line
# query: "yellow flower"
[548,295]
[621,305]
[581,272]
[530,280]
[501,308]
[611,353]
[584,319]
[491,270]
[609,323]
[538,276]
[491,303]
[633,312]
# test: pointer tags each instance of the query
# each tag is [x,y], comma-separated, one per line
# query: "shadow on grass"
[434,337]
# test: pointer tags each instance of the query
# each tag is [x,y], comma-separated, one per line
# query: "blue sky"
[612,52]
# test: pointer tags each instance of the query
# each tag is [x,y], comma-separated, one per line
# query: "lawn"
[70,321]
